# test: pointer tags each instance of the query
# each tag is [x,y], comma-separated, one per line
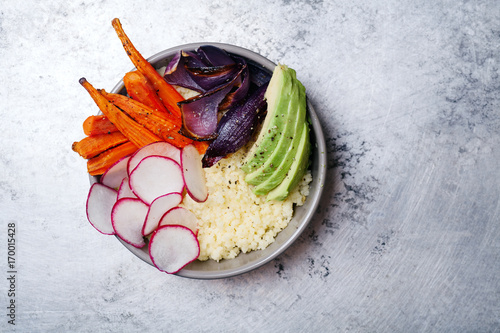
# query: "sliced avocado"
[289,136]
[278,96]
[287,153]
[297,169]
[284,168]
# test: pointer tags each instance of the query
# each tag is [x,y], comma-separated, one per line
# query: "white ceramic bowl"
[246,262]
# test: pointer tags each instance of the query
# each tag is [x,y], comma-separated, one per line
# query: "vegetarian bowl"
[207,158]
[246,262]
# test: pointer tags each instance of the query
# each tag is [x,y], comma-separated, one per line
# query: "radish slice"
[158,208]
[100,202]
[193,173]
[128,217]
[157,148]
[115,174]
[155,176]
[172,247]
[125,191]
[180,216]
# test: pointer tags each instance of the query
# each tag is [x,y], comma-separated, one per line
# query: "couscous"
[234,219]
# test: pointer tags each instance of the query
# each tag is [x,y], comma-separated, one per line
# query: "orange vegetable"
[139,88]
[201,146]
[135,132]
[164,128]
[167,94]
[94,145]
[99,164]
[95,125]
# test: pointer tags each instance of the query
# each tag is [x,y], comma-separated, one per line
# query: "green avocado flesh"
[289,137]
[279,158]
[297,169]
[278,95]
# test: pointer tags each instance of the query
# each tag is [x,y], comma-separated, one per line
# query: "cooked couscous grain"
[234,219]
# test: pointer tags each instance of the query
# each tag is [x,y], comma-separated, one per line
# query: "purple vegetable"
[199,114]
[236,127]
[258,75]
[192,59]
[224,82]
[189,70]
[241,92]
[177,74]
[214,56]
[209,78]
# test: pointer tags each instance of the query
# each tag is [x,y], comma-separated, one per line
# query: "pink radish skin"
[172,247]
[128,217]
[157,148]
[124,191]
[115,174]
[158,208]
[100,202]
[180,216]
[155,176]
[193,173]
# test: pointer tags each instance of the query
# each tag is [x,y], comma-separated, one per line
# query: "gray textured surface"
[407,237]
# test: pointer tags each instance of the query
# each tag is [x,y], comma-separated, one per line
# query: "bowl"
[246,262]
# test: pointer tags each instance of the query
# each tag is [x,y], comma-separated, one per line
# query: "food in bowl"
[234,219]
[266,168]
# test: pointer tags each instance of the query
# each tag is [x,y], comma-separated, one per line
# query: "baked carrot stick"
[99,164]
[201,146]
[139,88]
[99,124]
[94,145]
[135,132]
[168,95]
[163,128]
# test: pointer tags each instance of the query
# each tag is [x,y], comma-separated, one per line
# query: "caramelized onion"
[236,127]
[199,113]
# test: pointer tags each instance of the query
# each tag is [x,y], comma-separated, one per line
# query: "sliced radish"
[100,202]
[155,176]
[158,208]
[128,217]
[193,173]
[125,191]
[157,148]
[172,247]
[115,174]
[180,216]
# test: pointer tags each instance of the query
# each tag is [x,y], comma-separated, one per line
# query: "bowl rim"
[313,197]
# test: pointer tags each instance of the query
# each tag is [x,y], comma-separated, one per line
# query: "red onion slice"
[235,128]
[199,114]
[176,74]
[214,55]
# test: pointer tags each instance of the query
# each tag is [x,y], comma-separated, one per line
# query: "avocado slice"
[278,96]
[287,153]
[284,168]
[297,169]
[289,136]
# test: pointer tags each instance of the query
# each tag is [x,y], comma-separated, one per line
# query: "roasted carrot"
[99,164]
[94,145]
[139,88]
[164,128]
[168,95]
[135,132]
[99,124]
[201,146]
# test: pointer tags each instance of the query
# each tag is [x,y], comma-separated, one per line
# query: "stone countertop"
[407,235]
